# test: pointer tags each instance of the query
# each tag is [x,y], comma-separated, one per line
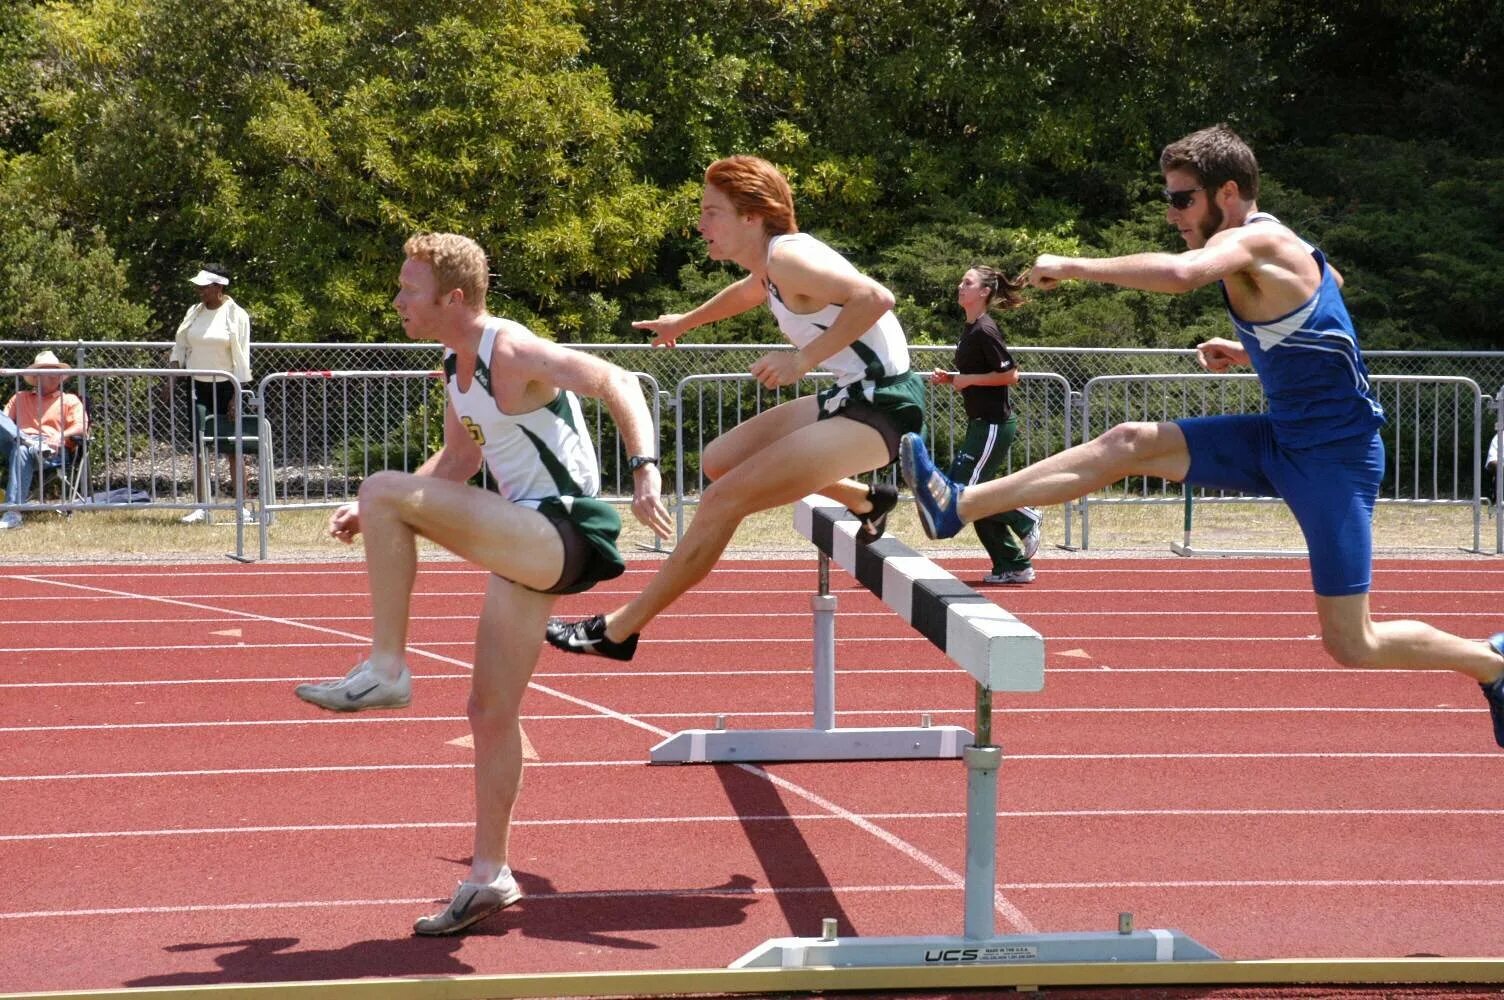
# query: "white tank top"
[543,453]
[881,352]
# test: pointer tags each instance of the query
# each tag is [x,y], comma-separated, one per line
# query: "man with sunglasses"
[1317,446]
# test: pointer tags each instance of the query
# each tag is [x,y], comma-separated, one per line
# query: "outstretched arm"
[736,298]
[1225,254]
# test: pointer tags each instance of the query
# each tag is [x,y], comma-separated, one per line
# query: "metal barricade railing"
[707,406]
[330,430]
[1432,437]
[1494,462]
[1042,403]
[144,448]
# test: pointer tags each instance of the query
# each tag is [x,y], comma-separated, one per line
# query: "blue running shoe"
[935,496]
[1494,692]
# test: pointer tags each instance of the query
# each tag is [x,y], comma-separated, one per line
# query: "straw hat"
[44,360]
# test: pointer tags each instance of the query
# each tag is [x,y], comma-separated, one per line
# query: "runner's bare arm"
[822,279]
[736,298]
[588,375]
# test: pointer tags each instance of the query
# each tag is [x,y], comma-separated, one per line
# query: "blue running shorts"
[1330,488]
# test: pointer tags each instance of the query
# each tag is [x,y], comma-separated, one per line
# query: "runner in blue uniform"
[1317,447]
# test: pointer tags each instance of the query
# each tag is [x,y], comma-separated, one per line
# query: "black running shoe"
[884,498]
[589,637]
[1494,692]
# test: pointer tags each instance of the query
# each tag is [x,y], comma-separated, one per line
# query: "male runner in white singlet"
[512,404]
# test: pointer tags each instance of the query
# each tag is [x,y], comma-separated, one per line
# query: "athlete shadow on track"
[606,919]
[787,859]
[273,960]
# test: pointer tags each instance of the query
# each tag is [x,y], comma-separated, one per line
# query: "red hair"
[755,187]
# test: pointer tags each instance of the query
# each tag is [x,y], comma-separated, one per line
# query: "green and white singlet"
[545,452]
[880,352]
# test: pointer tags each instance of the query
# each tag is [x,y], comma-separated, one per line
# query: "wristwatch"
[636,462]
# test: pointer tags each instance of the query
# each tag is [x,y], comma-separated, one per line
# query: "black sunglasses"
[1181,199]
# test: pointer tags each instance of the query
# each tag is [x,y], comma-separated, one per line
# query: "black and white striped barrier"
[998,650]
[1001,654]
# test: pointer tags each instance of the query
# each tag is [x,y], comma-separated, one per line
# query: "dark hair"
[1215,155]
[1002,290]
[215,267]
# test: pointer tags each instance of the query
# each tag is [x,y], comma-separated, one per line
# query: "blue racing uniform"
[1317,447]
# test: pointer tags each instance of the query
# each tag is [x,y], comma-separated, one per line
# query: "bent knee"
[1132,440]
[1350,650]
[715,461]
[723,500]
[491,713]
[386,485]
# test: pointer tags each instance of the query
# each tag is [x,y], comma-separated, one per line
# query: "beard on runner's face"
[1212,221]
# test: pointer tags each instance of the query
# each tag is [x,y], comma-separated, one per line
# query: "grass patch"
[155,535]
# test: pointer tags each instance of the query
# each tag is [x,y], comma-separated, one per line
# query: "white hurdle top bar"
[1001,652]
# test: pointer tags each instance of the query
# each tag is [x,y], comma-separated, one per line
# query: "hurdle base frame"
[707,746]
[981,945]
[1007,949]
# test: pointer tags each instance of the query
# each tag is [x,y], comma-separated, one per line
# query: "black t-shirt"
[980,352]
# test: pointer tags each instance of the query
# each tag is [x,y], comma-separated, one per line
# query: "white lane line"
[230,772]
[1005,909]
[532,899]
[1273,883]
[801,615]
[420,648]
[778,818]
[796,563]
[477,594]
[680,894]
[799,671]
[1380,755]
[837,590]
[668,716]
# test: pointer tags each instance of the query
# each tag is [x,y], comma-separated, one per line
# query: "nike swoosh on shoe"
[459,907]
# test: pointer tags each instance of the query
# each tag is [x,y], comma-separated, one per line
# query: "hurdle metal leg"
[979,945]
[824,741]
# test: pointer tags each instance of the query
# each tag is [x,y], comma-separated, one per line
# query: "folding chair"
[68,467]
[216,433]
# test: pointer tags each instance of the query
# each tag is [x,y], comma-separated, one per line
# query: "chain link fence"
[335,413]
[1077,365]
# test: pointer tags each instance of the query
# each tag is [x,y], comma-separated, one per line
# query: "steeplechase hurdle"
[1001,654]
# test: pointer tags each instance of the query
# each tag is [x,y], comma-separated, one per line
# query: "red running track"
[171,815]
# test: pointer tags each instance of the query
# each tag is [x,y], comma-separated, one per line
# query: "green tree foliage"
[301,143]
[57,283]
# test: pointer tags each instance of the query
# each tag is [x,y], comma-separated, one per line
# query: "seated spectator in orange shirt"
[35,428]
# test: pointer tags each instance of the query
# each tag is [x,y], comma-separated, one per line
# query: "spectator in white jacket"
[215,335]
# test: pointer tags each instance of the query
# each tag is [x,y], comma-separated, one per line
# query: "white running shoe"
[358,690]
[10,519]
[198,516]
[247,516]
[1025,575]
[1030,542]
[471,904]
